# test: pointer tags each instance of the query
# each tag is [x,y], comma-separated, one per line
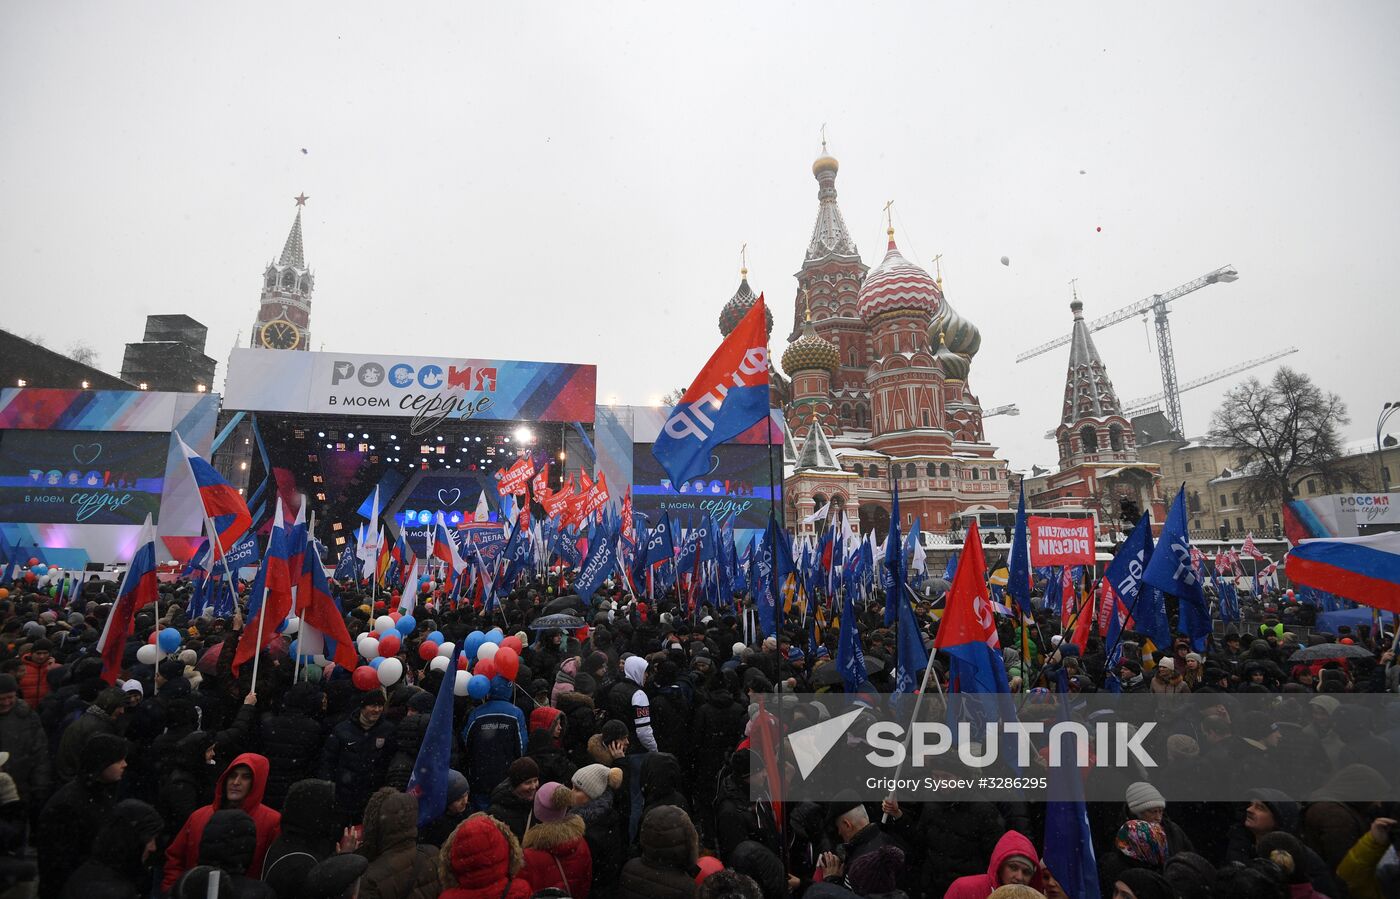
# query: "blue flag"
[348,565]
[893,563]
[1069,842]
[1170,571]
[1125,574]
[1018,580]
[850,656]
[601,562]
[911,657]
[429,778]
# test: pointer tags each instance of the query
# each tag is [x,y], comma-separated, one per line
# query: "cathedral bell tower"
[284,313]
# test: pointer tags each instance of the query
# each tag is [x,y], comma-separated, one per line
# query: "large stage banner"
[1061,541]
[426,390]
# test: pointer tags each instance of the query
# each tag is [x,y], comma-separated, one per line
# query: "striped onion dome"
[959,334]
[897,285]
[739,306]
[811,351]
[954,366]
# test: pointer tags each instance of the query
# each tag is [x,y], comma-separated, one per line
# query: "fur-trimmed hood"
[548,836]
[598,751]
[480,852]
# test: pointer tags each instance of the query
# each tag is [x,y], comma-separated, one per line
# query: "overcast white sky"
[573,181]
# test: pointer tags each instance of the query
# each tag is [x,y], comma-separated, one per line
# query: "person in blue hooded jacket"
[493,737]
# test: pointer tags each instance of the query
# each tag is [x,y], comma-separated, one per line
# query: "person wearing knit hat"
[556,853]
[1143,798]
[594,780]
[513,801]
[1140,883]
[73,816]
[1139,844]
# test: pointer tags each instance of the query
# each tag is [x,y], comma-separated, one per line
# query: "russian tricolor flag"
[223,505]
[270,600]
[139,588]
[1363,569]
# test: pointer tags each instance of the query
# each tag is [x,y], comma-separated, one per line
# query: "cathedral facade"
[876,391]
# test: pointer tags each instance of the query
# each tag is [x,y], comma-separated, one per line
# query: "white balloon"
[487,651]
[439,663]
[148,654]
[369,648]
[390,670]
[384,624]
[446,649]
[319,659]
[460,687]
[291,626]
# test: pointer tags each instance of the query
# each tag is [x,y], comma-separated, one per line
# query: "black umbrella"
[829,675]
[1331,651]
[558,620]
[563,603]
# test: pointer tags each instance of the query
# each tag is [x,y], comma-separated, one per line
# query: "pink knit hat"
[552,802]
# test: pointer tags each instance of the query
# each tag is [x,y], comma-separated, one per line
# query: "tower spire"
[1088,390]
[292,250]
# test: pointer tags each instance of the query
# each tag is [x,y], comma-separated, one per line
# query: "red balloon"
[365,678]
[507,662]
[389,645]
[461,661]
[154,634]
[427,650]
[30,577]
[513,642]
[396,615]
[33,562]
[486,667]
[708,865]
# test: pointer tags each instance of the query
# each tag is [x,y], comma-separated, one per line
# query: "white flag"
[819,515]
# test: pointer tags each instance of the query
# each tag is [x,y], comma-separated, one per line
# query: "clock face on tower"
[280,335]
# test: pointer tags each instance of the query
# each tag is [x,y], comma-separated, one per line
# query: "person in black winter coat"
[737,817]
[580,724]
[98,718]
[310,832]
[73,816]
[122,856]
[408,739]
[718,727]
[957,838]
[292,740]
[188,780]
[356,756]
[458,809]
[662,782]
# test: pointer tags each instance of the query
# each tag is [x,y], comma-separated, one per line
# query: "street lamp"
[1387,410]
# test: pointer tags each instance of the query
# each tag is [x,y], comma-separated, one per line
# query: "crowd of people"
[617,763]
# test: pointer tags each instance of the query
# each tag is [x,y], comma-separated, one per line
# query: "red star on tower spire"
[301,199]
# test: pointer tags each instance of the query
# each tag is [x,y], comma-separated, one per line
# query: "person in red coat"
[1014,860]
[239,787]
[35,666]
[556,854]
[481,860]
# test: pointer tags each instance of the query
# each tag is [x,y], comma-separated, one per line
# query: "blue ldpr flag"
[1069,842]
[850,656]
[429,778]
[345,569]
[893,562]
[1170,571]
[727,397]
[911,657]
[1125,574]
[1018,574]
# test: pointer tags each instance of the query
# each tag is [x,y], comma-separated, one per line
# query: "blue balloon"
[169,640]
[436,637]
[472,644]
[40,570]
[406,624]
[376,661]
[495,635]
[478,686]
[292,650]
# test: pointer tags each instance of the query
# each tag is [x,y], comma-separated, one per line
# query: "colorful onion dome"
[825,163]
[959,334]
[954,366]
[739,306]
[811,351]
[897,285]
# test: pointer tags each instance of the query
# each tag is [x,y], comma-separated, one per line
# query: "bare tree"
[1282,433]
[37,339]
[82,352]
[674,397]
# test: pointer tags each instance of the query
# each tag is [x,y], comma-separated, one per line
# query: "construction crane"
[1142,404]
[1157,304]
[1009,409]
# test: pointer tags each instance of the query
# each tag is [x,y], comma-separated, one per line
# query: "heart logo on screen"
[455,494]
[87,453]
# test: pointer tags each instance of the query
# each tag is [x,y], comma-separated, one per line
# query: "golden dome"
[825,163]
[811,351]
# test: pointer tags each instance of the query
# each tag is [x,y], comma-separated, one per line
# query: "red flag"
[968,609]
[540,484]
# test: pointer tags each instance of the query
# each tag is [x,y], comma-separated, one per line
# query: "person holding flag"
[269,601]
[321,618]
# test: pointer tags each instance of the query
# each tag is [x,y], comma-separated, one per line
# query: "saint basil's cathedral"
[876,388]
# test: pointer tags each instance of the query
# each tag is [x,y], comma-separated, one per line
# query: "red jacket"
[555,851]
[34,679]
[183,853]
[480,854]
[980,886]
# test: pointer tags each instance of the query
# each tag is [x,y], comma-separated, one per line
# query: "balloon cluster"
[161,643]
[484,655]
